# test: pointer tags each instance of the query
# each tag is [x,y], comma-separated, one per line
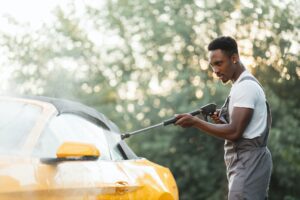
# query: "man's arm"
[234,130]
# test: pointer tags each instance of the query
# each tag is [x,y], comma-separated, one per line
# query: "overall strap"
[251,78]
[224,111]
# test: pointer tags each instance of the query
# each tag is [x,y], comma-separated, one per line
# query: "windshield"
[16,121]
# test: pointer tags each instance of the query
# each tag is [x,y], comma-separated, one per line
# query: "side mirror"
[77,150]
[73,151]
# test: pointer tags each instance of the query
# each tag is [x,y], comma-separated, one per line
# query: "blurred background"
[140,62]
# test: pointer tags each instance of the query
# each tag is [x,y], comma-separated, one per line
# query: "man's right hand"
[215,117]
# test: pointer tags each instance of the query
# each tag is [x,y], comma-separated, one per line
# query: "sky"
[33,11]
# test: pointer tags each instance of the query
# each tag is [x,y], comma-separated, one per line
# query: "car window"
[16,121]
[71,128]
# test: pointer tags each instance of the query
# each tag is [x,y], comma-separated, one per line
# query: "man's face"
[222,65]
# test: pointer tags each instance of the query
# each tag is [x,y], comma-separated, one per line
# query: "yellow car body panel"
[130,179]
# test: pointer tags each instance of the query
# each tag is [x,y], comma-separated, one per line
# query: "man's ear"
[235,58]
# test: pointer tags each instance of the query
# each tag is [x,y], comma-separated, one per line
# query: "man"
[243,122]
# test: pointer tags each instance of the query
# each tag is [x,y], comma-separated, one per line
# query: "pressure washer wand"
[206,110]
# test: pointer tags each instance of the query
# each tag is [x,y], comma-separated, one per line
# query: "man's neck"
[240,69]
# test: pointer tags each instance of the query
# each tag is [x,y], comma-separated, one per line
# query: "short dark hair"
[226,44]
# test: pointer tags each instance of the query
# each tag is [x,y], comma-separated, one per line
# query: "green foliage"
[140,62]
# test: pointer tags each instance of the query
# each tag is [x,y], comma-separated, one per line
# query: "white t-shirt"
[249,94]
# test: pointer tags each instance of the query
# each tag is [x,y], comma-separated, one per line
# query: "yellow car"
[58,149]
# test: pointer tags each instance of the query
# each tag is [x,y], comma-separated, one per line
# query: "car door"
[27,178]
[80,178]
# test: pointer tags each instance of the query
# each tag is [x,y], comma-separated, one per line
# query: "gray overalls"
[248,162]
